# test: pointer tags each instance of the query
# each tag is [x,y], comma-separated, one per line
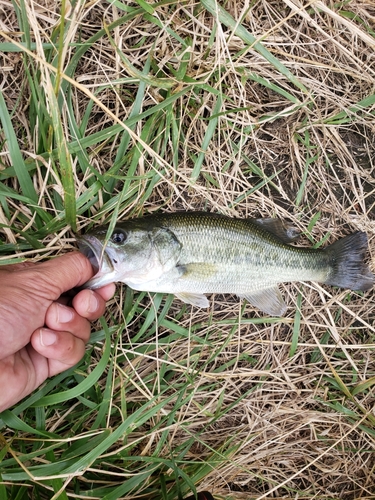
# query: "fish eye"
[118,236]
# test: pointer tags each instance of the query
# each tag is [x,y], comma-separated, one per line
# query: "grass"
[262,109]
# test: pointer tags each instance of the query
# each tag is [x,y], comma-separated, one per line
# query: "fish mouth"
[88,251]
[100,261]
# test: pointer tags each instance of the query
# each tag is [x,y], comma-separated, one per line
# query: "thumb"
[66,272]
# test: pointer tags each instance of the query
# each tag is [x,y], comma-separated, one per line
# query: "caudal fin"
[347,262]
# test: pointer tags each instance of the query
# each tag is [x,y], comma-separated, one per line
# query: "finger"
[62,318]
[64,273]
[107,291]
[89,304]
[18,266]
[62,349]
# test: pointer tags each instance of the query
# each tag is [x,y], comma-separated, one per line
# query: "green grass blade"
[65,163]
[346,116]
[11,47]
[363,386]
[270,85]
[21,171]
[207,139]
[16,423]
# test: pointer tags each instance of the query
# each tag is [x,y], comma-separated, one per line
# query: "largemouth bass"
[191,254]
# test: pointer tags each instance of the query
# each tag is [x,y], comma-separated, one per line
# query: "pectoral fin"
[195,299]
[268,300]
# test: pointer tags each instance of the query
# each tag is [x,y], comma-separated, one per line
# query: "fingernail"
[64,314]
[47,337]
[93,304]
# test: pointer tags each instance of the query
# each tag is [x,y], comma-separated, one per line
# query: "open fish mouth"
[90,253]
[99,259]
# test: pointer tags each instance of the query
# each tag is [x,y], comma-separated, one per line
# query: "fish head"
[132,254]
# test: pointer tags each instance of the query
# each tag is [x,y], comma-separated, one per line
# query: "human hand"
[40,335]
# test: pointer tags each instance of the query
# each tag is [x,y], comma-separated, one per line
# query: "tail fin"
[346,257]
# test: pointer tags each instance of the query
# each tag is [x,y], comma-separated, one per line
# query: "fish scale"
[242,256]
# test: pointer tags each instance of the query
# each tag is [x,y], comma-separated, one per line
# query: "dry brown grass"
[266,422]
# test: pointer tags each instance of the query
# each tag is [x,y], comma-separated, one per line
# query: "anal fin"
[195,299]
[268,300]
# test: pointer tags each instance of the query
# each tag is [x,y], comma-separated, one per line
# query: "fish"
[191,254]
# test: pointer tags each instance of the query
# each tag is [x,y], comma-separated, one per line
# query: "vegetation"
[265,108]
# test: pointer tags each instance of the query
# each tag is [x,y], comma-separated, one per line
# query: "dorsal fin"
[285,231]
